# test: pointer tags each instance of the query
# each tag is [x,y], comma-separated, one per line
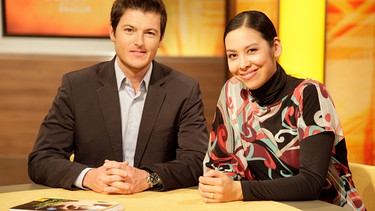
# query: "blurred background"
[332,41]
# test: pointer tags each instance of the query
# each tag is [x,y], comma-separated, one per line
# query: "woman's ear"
[278,49]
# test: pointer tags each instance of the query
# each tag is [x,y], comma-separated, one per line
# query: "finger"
[116,165]
[209,197]
[113,178]
[208,173]
[111,164]
[203,189]
[121,186]
[116,171]
[207,180]
[214,173]
[201,179]
[112,190]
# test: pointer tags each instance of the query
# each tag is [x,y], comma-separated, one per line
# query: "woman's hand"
[215,186]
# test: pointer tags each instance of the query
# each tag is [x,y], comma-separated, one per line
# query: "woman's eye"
[231,56]
[252,50]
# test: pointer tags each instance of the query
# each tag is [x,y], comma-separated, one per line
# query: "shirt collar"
[120,76]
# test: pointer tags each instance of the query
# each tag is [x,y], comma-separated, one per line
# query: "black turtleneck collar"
[277,87]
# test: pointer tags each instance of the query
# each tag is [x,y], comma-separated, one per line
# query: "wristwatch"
[153,179]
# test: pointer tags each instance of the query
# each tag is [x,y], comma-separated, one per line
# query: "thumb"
[213,173]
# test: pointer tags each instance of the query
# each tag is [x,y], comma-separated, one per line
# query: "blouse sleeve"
[307,184]
[223,149]
[318,112]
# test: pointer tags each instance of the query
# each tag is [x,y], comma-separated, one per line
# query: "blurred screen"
[194,27]
[56,18]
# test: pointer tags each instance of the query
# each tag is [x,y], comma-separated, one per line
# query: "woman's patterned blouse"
[253,142]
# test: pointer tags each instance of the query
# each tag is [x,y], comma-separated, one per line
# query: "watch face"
[153,178]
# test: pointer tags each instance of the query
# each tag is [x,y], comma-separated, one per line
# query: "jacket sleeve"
[49,162]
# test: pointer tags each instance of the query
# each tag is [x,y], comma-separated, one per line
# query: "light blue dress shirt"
[131,104]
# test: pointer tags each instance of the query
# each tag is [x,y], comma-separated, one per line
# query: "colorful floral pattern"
[254,142]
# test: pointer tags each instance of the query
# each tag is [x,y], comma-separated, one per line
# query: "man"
[132,124]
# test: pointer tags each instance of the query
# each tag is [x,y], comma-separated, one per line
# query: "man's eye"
[151,34]
[128,30]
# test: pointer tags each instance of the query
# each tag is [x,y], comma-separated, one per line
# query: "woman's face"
[250,57]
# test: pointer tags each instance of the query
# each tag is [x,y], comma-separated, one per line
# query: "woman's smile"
[249,74]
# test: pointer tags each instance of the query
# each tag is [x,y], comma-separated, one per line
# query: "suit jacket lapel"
[110,105]
[154,101]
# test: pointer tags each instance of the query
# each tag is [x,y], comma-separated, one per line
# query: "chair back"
[364,181]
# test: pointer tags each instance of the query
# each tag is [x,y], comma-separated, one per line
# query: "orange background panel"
[350,73]
[87,18]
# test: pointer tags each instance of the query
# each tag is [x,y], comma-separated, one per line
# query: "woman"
[274,137]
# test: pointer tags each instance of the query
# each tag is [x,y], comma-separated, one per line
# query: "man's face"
[137,39]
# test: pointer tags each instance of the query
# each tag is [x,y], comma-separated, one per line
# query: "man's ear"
[111,32]
[161,41]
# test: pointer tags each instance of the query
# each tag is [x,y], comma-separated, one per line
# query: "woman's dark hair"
[255,20]
[157,6]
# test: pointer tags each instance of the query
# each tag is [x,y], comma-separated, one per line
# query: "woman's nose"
[244,63]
